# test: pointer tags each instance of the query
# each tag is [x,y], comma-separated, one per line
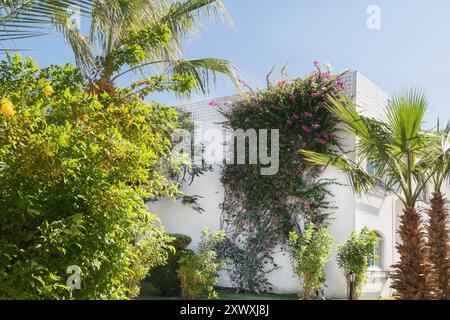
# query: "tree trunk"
[438,234]
[412,276]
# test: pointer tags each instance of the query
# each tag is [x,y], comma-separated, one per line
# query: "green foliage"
[76,167]
[355,254]
[198,271]
[260,211]
[180,241]
[180,83]
[310,252]
[165,278]
[132,51]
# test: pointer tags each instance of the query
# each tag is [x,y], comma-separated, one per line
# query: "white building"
[377,210]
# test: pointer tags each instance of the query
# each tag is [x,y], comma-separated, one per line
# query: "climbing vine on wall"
[259,211]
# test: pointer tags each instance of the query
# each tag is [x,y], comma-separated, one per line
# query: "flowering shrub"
[260,211]
[74,169]
[198,271]
[310,252]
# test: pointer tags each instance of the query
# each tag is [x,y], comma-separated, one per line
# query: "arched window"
[378,252]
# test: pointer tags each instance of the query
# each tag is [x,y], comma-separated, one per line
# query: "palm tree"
[395,147]
[124,36]
[438,231]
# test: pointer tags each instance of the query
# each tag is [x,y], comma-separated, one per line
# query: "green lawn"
[149,293]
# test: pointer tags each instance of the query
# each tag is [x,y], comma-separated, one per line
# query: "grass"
[149,293]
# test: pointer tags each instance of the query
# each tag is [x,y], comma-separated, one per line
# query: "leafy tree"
[74,169]
[125,36]
[396,148]
[310,252]
[354,255]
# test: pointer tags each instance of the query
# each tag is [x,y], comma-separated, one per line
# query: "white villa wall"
[177,218]
[375,211]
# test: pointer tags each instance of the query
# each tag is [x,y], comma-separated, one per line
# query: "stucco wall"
[177,218]
[375,211]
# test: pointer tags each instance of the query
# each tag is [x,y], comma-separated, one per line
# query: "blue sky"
[411,49]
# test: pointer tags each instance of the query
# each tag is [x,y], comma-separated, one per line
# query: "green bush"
[181,241]
[198,271]
[310,252]
[165,278]
[75,167]
[353,256]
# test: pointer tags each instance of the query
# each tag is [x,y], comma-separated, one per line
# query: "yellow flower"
[48,90]
[6,107]
[85,118]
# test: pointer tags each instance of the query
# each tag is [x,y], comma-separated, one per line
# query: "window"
[373,169]
[378,252]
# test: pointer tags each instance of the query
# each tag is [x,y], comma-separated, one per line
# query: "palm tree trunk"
[412,276]
[438,234]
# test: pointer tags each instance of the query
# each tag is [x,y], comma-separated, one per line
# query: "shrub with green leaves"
[310,252]
[75,167]
[354,256]
[198,271]
[165,278]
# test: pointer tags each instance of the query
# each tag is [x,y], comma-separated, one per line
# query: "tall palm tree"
[125,35]
[395,147]
[438,231]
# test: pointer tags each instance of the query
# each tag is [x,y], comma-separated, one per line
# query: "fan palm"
[438,231]
[395,148]
[124,36]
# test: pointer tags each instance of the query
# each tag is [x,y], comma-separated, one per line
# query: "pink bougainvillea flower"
[340,84]
[325,97]
[213,103]
[296,116]
[289,122]
[306,129]
[316,63]
[307,205]
[314,94]
[309,114]
[322,141]
[326,75]
[281,83]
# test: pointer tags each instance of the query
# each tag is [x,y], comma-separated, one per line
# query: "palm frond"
[205,71]
[30,18]
[359,179]
[405,116]
[346,111]
[80,44]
